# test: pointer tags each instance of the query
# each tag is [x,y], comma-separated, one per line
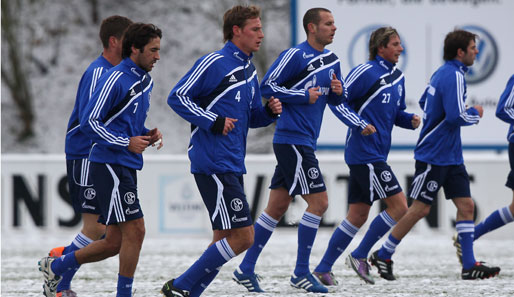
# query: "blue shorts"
[116,189]
[82,194]
[224,197]
[372,181]
[297,170]
[510,178]
[429,179]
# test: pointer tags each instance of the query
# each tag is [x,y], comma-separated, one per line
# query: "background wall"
[34,193]
[422,25]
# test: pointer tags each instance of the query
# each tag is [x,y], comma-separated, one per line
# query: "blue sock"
[307,230]
[79,242]
[65,263]
[495,220]
[388,248]
[380,226]
[340,239]
[264,227]
[466,231]
[214,256]
[124,286]
[203,283]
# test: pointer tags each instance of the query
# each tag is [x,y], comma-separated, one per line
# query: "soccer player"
[305,77]
[438,154]
[221,99]
[77,145]
[505,215]
[376,91]
[114,120]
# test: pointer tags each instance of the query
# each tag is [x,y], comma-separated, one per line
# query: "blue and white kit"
[289,78]
[376,91]
[116,112]
[438,153]
[222,84]
[505,112]
[77,144]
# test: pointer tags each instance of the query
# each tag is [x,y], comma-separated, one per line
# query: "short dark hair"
[312,16]
[455,40]
[380,37]
[138,35]
[237,16]
[113,26]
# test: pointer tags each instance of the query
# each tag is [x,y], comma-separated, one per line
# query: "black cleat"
[385,267]
[169,290]
[480,271]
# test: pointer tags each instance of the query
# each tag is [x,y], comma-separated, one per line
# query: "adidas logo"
[310,68]
[232,79]
[132,92]
[382,82]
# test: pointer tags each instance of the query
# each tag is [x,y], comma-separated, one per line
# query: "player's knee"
[241,241]
[112,247]
[138,233]
[467,208]
[246,243]
[421,213]
[322,205]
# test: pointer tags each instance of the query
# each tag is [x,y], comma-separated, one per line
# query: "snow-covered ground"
[425,264]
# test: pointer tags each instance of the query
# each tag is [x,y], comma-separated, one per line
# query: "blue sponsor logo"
[358,51]
[487,57]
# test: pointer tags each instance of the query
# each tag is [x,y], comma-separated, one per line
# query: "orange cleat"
[56,252]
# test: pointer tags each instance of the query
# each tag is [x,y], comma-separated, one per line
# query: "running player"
[221,99]
[77,145]
[306,77]
[376,91]
[114,120]
[438,154]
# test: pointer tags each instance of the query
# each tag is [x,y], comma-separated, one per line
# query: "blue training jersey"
[505,109]
[443,103]
[376,91]
[77,144]
[221,84]
[289,79]
[117,111]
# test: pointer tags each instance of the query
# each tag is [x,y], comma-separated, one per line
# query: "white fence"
[34,192]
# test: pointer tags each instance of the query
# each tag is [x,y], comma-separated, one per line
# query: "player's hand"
[335,85]
[229,125]
[314,93]
[480,110]
[138,144]
[416,120]
[155,135]
[275,105]
[368,130]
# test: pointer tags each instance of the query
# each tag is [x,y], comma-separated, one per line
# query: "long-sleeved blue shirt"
[376,91]
[505,108]
[77,144]
[117,111]
[443,103]
[221,84]
[289,79]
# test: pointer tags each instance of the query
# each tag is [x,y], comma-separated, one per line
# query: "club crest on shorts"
[432,185]
[386,176]
[89,193]
[129,198]
[313,173]
[236,204]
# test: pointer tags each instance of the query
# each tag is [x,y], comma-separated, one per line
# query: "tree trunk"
[13,74]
